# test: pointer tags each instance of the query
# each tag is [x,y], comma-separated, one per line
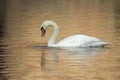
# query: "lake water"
[24,54]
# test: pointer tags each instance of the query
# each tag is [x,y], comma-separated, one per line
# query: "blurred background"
[24,54]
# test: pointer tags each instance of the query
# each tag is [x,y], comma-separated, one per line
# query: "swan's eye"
[43,31]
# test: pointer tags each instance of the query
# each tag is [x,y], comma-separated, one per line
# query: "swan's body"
[71,41]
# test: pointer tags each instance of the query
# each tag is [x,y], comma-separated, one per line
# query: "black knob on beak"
[43,31]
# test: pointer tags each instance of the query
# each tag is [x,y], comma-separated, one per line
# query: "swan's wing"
[77,40]
[98,44]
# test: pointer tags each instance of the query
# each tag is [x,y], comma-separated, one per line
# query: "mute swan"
[71,41]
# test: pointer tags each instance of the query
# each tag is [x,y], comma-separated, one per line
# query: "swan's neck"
[51,42]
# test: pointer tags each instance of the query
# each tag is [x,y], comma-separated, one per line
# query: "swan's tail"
[99,44]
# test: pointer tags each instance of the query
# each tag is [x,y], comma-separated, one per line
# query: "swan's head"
[45,25]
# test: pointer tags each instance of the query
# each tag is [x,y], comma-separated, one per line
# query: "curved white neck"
[51,42]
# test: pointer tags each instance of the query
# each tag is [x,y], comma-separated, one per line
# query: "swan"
[71,41]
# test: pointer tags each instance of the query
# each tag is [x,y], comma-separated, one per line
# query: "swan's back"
[80,41]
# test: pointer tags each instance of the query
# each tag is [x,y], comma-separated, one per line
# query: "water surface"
[24,54]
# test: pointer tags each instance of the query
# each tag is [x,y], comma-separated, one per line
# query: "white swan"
[71,41]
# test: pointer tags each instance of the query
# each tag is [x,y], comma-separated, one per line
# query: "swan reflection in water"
[74,53]
[53,55]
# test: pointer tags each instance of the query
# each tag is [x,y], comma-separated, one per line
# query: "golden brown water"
[24,55]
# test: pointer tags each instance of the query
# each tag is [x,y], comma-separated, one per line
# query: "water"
[24,55]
